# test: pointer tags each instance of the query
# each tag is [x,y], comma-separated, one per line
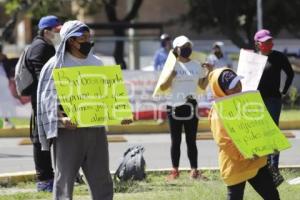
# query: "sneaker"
[196,175]
[174,174]
[45,186]
[160,121]
[79,179]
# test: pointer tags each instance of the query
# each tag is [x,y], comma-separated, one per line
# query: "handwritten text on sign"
[93,95]
[249,124]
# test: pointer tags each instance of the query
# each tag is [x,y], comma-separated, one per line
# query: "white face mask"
[55,39]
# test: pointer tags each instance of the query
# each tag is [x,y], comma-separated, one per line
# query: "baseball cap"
[180,41]
[165,36]
[50,21]
[262,35]
[228,79]
[80,31]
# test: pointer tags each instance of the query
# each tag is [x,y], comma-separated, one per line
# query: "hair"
[68,48]
[41,32]
[175,52]
[164,42]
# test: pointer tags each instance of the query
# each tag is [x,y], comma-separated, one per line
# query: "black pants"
[42,159]
[274,107]
[183,117]
[262,183]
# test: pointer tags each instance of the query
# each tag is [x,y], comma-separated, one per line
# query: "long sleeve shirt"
[269,85]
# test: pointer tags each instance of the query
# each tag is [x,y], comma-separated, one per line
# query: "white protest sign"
[166,72]
[251,66]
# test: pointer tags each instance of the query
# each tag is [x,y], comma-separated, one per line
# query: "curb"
[120,138]
[203,126]
[110,139]
[16,177]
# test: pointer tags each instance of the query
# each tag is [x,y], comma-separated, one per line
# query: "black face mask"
[186,52]
[85,47]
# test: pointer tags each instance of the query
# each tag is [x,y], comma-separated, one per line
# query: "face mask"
[265,48]
[85,47]
[55,39]
[185,52]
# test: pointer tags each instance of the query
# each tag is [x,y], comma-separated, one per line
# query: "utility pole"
[133,45]
[259,14]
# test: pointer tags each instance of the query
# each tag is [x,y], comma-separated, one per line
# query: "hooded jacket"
[47,99]
[234,168]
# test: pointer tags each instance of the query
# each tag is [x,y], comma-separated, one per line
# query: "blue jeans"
[274,107]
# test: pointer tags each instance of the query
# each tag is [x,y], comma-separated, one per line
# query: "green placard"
[250,125]
[93,95]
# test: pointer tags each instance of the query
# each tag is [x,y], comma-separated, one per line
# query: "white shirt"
[71,61]
[186,80]
[224,61]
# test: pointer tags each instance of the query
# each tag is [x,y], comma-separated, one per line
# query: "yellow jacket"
[234,168]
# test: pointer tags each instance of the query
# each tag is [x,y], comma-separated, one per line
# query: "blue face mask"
[185,52]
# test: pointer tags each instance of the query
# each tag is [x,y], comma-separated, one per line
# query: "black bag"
[132,166]
[189,109]
[24,76]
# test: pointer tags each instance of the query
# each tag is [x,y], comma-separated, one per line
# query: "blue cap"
[50,21]
[80,31]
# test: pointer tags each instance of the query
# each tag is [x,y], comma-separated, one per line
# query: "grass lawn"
[156,188]
[290,115]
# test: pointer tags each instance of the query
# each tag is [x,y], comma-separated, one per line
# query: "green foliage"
[11,6]
[293,94]
[237,19]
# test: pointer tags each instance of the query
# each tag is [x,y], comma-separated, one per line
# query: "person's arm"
[38,56]
[222,139]
[156,61]
[167,84]
[287,68]
[203,82]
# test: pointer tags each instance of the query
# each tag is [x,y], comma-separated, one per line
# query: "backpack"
[132,166]
[24,76]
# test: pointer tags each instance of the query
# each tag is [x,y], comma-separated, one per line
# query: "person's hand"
[66,121]
[276,151]
[207,66]
[173,74]
[255,157]
[126,121]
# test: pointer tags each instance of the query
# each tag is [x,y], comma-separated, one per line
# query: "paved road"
[16,158]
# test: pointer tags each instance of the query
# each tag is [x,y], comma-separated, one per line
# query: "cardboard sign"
[250,125]
[93,95]
[251,66]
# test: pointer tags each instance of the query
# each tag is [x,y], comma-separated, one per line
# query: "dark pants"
[274,107]
[262,184]
[42,159]
[183,117]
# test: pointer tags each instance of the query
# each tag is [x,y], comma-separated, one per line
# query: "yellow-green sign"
[93,95]
[249,124]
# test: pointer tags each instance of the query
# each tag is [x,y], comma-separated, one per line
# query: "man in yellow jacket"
[235,169]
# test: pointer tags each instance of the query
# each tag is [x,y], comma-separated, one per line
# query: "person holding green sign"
[234,168]
[73,146]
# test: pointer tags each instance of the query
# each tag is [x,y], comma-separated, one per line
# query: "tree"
[110,9]
[39,8]
[237,19]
